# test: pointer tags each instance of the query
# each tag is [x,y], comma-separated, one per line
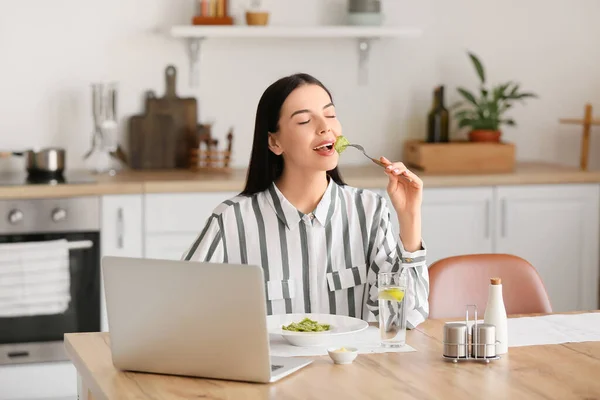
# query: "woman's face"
[308,128]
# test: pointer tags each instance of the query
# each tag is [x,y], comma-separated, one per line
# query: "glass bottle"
[438,119]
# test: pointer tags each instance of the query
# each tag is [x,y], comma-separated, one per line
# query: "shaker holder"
[474,345]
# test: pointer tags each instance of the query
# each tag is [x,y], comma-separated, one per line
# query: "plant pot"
[365,19]
[364,13]
[485,135]
[257,17]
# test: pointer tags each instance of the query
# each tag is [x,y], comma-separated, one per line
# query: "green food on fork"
[340,144]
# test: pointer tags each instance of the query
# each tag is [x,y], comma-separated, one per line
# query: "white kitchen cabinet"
[555,228]
[169,246]
[121,233]
[44,381]
[455,221]
[180,212]
[122,225]
[174,220]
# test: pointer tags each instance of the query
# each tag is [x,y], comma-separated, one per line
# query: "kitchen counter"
[367,176]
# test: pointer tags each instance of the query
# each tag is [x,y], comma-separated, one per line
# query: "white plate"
[339,325]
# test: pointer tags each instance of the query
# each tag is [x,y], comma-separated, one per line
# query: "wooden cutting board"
[151,142]
[183,111]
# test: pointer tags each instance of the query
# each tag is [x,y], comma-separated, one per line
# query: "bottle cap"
[496,281]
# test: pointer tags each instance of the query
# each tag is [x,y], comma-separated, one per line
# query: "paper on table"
[367,341]
[553,329]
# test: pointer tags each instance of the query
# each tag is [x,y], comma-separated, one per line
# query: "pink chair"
[460,280]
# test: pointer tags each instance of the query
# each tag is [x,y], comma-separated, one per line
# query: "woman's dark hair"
[265,166]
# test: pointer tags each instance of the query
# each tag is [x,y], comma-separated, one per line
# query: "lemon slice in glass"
[392,294]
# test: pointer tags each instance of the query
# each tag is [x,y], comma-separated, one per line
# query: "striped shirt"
[323,262]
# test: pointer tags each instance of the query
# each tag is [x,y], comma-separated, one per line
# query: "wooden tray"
[459,157]
[151,142]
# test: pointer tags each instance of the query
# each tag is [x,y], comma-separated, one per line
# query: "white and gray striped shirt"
[323,262]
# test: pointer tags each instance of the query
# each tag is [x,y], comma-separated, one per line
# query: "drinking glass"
[392,312]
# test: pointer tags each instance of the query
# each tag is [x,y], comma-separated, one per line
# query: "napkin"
[367,341]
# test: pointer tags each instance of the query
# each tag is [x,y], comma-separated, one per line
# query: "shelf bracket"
[364,48]
[194,45]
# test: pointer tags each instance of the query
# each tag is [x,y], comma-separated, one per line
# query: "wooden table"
[567,371]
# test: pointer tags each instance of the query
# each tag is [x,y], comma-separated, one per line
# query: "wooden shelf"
[364,35]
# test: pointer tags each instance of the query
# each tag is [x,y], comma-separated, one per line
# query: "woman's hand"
[405,189]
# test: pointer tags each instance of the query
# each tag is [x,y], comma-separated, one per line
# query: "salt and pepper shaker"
[455,340]
[475,344]
[484,342]
[495,314]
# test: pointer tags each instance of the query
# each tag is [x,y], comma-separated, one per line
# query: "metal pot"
[46,161]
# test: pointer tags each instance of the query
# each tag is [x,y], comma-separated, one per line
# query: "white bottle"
[495,314]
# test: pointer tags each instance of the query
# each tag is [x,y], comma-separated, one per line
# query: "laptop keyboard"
[275,367]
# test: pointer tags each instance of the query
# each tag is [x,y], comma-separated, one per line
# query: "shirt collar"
[291,216]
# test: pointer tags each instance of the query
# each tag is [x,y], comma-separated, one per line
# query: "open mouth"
[324,147]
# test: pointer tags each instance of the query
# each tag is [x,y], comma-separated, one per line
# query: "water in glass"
[392,312]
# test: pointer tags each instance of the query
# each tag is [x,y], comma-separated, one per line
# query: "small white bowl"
[342,357]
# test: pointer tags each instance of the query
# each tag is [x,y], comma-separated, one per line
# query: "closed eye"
[304,122]
[330,116]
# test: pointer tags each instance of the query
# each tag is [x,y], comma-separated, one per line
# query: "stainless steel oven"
[39,338]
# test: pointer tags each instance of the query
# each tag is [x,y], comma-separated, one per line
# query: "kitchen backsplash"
[53,50]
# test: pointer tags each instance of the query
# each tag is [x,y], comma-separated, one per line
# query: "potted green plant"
[484,114]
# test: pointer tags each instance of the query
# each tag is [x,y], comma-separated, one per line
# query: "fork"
[376,161]
[359,147]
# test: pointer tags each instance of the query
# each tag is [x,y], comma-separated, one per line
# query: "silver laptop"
[193,319]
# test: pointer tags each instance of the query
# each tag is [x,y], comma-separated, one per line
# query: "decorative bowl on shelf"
[257,17]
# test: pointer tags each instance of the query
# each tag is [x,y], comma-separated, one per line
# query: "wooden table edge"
[87,386]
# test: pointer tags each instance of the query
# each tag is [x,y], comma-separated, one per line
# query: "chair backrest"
[460,280]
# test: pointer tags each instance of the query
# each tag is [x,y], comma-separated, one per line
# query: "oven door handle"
[80,244]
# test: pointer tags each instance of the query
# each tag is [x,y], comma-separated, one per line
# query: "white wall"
[50,52]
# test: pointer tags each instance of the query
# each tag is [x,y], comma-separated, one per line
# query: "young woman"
[320,242]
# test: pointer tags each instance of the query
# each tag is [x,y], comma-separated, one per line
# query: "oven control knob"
[15,216]
[59,214]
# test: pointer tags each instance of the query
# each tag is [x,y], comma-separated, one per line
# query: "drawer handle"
[16,354]
[487,219]
[503,217]
[120,228]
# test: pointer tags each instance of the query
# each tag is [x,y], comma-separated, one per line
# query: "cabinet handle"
[120,228]
[487,219]
[503,217]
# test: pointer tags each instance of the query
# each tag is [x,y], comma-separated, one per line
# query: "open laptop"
[193,319]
